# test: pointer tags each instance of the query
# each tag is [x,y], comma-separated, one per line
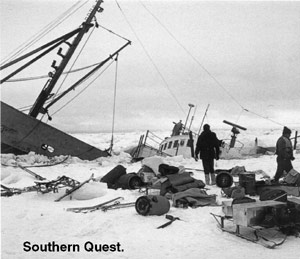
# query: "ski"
[117,206]
[68,192]
[32,173]
[95,207]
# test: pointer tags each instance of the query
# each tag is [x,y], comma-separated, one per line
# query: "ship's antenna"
[203,119]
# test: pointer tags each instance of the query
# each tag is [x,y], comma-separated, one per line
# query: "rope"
[266,118]
[113,33]
[151,60]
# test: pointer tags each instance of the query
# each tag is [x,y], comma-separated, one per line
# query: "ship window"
[181,142]
[47,147]
[175,144]
[170,144]
[165,146]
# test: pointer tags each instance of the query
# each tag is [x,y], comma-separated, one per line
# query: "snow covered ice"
[36,219]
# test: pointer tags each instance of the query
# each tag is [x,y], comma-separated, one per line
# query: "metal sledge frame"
[237,233]
[54,185]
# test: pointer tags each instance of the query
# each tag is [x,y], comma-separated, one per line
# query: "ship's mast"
[42,98]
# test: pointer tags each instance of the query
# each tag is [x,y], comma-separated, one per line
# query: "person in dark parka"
[177,128]
[284,152]
[209,149]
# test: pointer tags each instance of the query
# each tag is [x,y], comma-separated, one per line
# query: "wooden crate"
[252,214]
[227,208]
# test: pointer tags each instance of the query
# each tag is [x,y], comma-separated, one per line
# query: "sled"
[254,237]
[53,185]
[250,219]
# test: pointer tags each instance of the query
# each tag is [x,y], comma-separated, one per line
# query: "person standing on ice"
[209,149]
[284,152]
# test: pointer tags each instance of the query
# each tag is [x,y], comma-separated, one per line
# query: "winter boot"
[213,179]
[207,179]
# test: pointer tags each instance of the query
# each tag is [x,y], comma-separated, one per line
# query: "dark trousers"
[282,165]
[208,165]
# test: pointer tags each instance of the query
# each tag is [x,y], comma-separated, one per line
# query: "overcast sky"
[242,58]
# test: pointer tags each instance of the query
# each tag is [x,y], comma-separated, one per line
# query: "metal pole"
[191,106]
[203,119]
[192,118]
[44,95]
[295,142]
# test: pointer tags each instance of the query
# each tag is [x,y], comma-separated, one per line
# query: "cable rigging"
[66,75]
[148,55]
[114,106]
[206,70]
[81,90]
[70,70]
[52,25]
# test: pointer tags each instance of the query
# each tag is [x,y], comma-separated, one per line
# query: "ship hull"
[21,134]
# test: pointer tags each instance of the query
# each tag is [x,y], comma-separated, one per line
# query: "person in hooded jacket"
[208,147]
[284,152]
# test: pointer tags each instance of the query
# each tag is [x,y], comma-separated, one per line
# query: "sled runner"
[256,220]
[68,192]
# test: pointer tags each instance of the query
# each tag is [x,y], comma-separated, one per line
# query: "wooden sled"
[248,221]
